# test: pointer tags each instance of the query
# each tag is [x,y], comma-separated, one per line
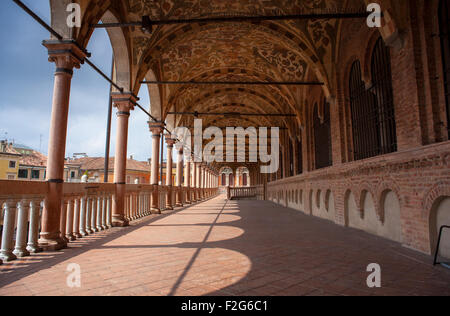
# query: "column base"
[169,208]
[47,243]
[7,256]
[156,211]
[71,237]
[34,249]
[20,253]
[120,222]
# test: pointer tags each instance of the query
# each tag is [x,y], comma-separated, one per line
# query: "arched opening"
[352,216]
[366,139]
[381,93]
[391,226]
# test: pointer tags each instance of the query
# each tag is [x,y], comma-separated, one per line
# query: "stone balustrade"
[86,209]
[253,192]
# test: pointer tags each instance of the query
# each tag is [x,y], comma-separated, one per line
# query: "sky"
[26,88]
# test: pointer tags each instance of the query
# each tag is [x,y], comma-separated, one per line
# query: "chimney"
[3,146]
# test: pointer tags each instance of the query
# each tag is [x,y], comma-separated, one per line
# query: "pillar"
[187,180]
[169,182]
[156,128]
[124,102]
[194,182]
[66,55]
[179,176]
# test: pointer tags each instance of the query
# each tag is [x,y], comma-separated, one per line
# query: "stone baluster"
[84,209]
[21,233]
[69,226]
[6,252]
[89,211]
[99,226]
[63,219]
[104,211]
[33,233]
[94,214]
[109,211]
[76,218]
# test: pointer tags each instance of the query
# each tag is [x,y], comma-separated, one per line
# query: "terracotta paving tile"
[218,247]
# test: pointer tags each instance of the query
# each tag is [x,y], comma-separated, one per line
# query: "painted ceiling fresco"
[259,51]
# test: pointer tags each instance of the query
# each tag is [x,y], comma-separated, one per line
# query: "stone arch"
[366,62]
[318,198]
[364,189]
[438,190]
[381,191]
[117,36]
[122,73]
[58,16]
[350,207]
[155,96]
[391,220]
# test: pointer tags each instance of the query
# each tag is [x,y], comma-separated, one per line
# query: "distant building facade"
[9,161]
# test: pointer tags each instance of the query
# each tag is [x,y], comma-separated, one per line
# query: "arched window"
[322,137]
[381,93]
[365,120]
[444,16]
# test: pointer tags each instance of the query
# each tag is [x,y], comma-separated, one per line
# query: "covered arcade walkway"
[222,247]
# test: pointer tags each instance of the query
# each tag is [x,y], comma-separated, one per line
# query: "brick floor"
[240,248]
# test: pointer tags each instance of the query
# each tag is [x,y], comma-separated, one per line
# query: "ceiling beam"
[147,24]
[233,114]
[240,83]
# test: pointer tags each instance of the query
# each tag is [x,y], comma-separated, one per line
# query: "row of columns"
[67,55]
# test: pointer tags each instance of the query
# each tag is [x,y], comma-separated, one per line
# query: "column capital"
[124,102]
[156,128]
[170,141]
[66,54]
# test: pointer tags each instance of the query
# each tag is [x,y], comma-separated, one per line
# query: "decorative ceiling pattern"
[294,50]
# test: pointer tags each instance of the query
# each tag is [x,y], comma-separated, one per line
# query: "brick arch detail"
[437,191]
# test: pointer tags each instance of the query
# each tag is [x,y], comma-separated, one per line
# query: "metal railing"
[436,254]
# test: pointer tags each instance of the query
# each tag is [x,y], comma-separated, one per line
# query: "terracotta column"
[187,180]
[156,128]
[179,199]
[169,183]
[124,102]
[67,56]
[194,182]
[202,180]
